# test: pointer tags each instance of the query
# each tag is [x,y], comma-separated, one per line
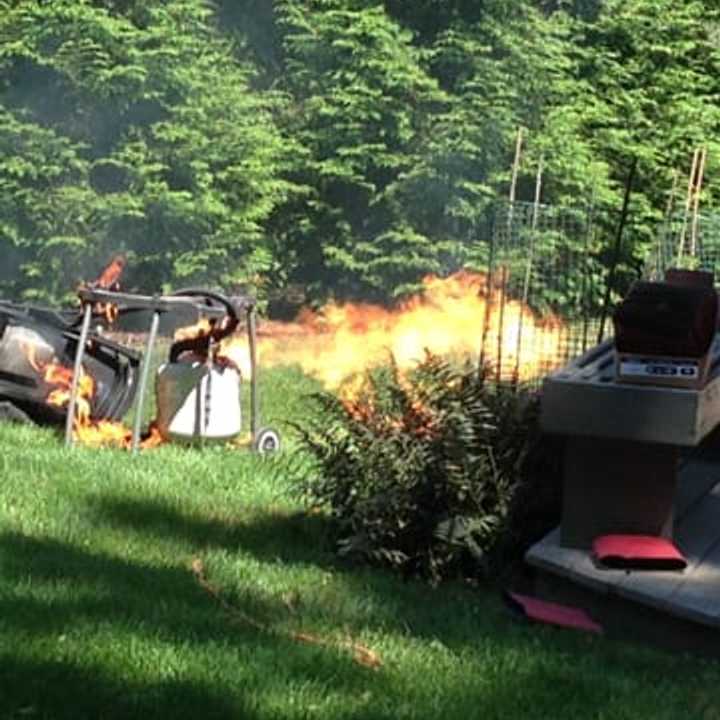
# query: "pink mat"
[552,613]
[638,552]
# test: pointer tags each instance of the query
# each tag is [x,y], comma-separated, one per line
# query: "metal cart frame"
[157,304]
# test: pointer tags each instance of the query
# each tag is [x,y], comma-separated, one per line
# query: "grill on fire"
[55,369]
[37,348]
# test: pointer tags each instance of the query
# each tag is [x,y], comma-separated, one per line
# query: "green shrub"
[419,469]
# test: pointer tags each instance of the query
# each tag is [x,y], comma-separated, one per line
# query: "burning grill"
[191,391]
[55,370]
[37,346]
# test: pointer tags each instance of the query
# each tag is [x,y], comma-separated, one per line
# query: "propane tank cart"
[198,393]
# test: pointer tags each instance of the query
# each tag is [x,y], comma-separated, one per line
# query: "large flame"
[59,380]
[102,433]
[450,317]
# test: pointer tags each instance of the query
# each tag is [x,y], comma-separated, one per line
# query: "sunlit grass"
[180,584]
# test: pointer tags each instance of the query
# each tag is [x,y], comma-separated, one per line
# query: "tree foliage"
[143,137]
[362,103]
[347,146]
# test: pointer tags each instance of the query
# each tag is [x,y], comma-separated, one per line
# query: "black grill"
[53,336]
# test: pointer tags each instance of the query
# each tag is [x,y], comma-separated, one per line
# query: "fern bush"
[419,469]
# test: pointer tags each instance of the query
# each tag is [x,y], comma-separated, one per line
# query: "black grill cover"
[113,367]
[664,318]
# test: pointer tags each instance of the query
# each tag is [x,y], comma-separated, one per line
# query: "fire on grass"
[450,317]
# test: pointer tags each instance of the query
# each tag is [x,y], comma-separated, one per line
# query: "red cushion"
[552,613]
[641,552]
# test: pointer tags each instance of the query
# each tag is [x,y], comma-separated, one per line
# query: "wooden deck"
[691,594]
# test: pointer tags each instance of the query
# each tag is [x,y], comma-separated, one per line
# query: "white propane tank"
[197,401]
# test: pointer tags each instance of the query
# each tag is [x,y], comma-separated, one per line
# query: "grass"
[181,583]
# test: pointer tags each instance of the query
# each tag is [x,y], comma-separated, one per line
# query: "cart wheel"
[267,440]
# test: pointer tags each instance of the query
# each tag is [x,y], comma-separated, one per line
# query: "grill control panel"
[679,372]
[654,368]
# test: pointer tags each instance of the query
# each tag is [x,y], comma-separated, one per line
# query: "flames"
[61,378]
[58,378]
[104,433]
[450,318]
[107,433]
[109,278]
[453,316]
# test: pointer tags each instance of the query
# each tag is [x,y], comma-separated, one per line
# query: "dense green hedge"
[345,147]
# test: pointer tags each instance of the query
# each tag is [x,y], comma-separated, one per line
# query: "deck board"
[696,477]
[572,563]
[697,597]
[694,593]
[695,534]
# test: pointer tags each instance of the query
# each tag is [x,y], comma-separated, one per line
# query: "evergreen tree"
[651,69]
[350,146]
[362,104]
[169,155]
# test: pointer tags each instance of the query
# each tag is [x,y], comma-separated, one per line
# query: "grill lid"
[113,367]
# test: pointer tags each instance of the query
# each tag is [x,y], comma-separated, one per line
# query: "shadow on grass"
[136,617]
[120,618]
[357,596]
[455,614]
[56,688]
[286,536]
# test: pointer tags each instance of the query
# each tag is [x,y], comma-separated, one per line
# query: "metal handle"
[144,374]
[77,370]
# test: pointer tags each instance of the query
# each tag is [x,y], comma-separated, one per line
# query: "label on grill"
[653,368]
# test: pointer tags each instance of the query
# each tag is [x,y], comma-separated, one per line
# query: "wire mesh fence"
[547,275]
[683,242]
[545,288]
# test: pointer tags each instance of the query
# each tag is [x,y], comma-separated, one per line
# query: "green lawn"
[180,584]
